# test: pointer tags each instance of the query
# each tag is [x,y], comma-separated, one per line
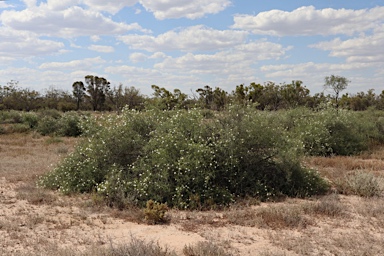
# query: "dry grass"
[35,195]
[27,156]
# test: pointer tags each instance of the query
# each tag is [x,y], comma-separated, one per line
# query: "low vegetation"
[229,155]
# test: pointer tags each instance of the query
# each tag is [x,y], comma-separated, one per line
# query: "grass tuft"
[204,249]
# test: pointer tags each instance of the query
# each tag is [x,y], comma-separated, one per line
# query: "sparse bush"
[155,212]
[283,217]
[329,205]
[361,183]
[34,195]
[205,248]
[137,247]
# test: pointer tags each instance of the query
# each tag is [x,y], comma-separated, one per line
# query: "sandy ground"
[63,222]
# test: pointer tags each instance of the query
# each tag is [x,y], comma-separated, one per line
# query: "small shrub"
[18,128]
[69,125]
[47,125]
[53,140]
[35,195]
[328,206]
[31,119]
[283,217]
[139,247]
[204,249]
[14,117]
[361,183]
[49,112]
[305,182]
[62,150]
[155,212]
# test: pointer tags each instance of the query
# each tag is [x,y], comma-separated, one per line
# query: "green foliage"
[18,128]
[69,125]
[31,119]
[188,160]
[12,117]
[47,125]
[155,212]
[328,131]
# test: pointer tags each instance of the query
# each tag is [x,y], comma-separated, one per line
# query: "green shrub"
[47,125]
[49,112]
[11,116]
[186,159]
[31,119]
[329,132]
[69,125]
[18,128]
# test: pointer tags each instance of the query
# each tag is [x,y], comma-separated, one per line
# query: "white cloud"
[73,65]
[55,20]
[310,68]
[309,21]
[138,57]
[95,38]
[313,74]
[101,48]
[237,59]
[158,55]
[25,44]
[32,78]
[143,78]
[30,3]
[173,9]
[4,5]
[188,39]
[111,6]
[359,49]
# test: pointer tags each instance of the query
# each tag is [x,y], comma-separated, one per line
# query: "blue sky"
[188,44]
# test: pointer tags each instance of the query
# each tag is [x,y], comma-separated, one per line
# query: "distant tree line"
[96,94]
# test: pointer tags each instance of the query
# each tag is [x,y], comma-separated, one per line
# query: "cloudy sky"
[187,44]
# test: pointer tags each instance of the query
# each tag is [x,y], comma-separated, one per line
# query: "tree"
[337,84]
[78,92]
[97,88]
[133,98]
[165,99]
[294,94]
[206,96]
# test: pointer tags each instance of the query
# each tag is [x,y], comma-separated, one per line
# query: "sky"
[187,44]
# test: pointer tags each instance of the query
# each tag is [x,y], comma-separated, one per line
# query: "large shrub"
[328,131]
[186,159]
